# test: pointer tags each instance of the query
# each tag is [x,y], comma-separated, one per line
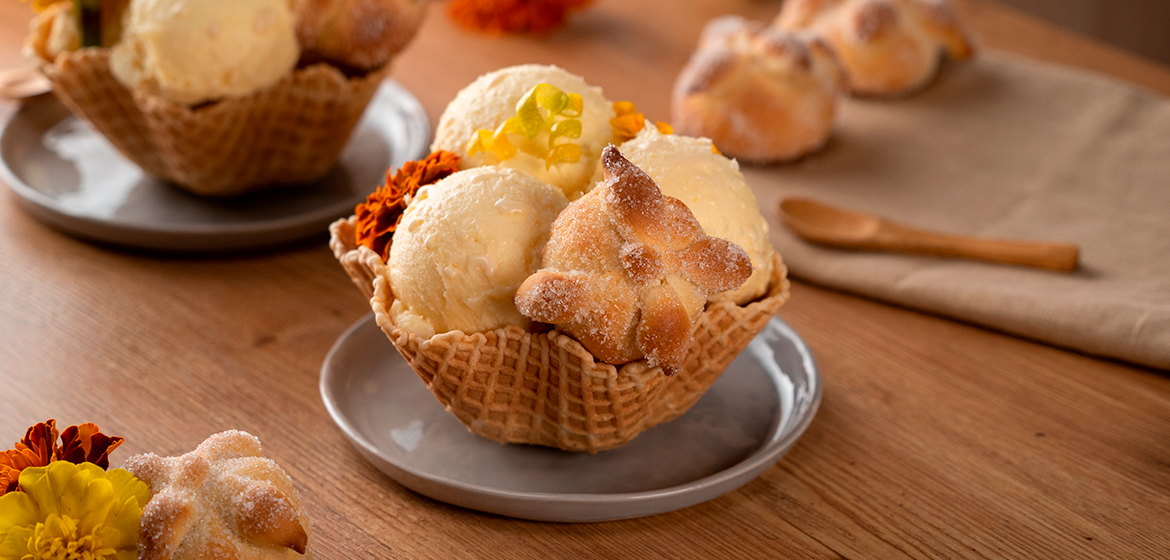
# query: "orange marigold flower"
[629,122]
[8,478]
[378,216]
[36,449]
[39,447]
[513,16]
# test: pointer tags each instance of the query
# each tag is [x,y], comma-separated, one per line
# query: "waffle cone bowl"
[518,386]
[292,132]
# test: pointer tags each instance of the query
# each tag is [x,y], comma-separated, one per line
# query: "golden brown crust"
[760,94]
[224,496]
[360,34]
[621,304]
[889,47]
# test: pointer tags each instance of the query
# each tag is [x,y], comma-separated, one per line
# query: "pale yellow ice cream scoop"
[463,247]
[717,194]
[192,51]
[492,99]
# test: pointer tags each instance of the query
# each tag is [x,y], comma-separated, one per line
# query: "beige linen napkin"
[1011,148]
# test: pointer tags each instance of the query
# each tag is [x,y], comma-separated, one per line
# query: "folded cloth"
[1011,148]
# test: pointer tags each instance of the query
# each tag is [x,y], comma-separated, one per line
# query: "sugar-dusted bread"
[889,47]
[627,270]
[358,34]
[760,93]
[224,500]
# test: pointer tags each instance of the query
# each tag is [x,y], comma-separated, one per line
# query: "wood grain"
[935,438]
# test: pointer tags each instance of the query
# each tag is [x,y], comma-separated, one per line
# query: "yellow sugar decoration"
[545,109]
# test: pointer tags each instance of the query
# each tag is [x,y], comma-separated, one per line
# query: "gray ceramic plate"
[748,419]
[68,176]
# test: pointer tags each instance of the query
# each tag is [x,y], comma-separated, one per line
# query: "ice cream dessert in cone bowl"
[566,285]
[222,97]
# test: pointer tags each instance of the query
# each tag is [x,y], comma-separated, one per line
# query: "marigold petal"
[378,216]
[84,443]
[41,440]
[130,495]
[8,478]
[14,543]
[16,510]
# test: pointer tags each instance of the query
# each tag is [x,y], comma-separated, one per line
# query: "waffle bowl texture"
[518,386]
[292,132]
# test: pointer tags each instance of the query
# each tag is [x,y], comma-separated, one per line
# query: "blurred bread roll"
[357,34]
[761,94]
[889,47]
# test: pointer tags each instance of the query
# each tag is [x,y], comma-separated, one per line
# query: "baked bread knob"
[223,500]
[627,270]
[357,34]
[888,47]
[760,93]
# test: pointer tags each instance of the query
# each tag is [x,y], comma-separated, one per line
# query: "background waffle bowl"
[291,132]
[545,388]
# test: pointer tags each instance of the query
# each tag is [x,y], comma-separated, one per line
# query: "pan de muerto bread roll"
[359,34]
[224,500]
[761,94]
[627,270]
[888,47]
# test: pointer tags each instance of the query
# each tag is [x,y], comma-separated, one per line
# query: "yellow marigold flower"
[68,511]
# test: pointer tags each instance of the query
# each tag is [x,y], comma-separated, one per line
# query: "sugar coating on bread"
[888,47]
[714,190]
[222,501]
[627,270]
[762,94]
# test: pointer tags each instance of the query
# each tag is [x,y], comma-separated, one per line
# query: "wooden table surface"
[934,439]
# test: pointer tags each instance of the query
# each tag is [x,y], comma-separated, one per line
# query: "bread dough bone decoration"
[627,270]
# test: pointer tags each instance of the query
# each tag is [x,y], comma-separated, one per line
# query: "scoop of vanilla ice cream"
[491,99]
[717,194]
[192,51]
[463,247]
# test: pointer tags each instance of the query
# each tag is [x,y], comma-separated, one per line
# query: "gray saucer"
[748,419]
[69,176]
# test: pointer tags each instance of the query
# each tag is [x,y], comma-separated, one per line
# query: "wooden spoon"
[20,83]
[820,223]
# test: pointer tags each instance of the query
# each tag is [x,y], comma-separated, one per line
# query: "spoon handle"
[1052,256]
